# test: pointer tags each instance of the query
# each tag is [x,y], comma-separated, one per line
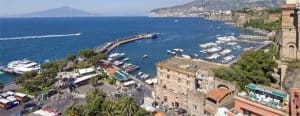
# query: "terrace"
[266,96]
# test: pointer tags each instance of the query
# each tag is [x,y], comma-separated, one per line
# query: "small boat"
[238,47]
[186,56]
[145,76]
[225,52]
[125,60]
[228,58]
[176,20]
[232,43]
[115,56]
[46,61]
[214,56]
[140,73]
[195,55]
[203,51]
[214,49]
[248,49]
[118,63]
[207,45]
[178,50]
[145,56]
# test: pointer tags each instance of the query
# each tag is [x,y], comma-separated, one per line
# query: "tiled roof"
[218,94]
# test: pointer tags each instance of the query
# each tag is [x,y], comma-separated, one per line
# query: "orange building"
[294,102]
[260,101]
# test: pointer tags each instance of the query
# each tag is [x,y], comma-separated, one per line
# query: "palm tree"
[73,110]
[127,106]
[95,93]
[110,108]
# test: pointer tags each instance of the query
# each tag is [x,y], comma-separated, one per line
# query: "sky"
[102,7]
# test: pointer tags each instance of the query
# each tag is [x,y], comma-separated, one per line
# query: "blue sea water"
[28,37]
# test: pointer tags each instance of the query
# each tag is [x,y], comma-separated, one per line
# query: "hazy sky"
[102,7]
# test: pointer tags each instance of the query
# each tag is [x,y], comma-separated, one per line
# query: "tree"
[142,112]
[94,81]
[87,53]
[95,93]
[71,57]
[127,106]
[73,110]
[110,108]
[253,67]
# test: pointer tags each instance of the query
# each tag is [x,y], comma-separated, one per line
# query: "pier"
[109,46]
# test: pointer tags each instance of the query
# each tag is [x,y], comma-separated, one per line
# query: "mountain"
[197,7]
[59,12]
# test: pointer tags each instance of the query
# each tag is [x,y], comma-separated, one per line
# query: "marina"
[94,35]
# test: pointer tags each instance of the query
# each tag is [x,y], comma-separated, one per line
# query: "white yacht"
[115,56]
[225,52]
[232,43]
[228,58]
[207,45]
[22,66]
[214,56]
[178,50]
[214,49]
[186,56]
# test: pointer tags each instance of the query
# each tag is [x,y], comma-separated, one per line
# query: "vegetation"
[98,104]
[293,64]
[34,83]
[260,23]
[253,67]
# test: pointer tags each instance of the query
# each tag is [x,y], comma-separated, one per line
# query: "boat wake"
[40,36]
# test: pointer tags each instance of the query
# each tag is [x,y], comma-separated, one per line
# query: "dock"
[109,46]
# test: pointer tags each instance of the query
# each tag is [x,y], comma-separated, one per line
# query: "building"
[289,43]
[294,102]
[260,101]
[187,84]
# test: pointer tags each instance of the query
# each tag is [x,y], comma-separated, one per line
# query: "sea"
[41,39]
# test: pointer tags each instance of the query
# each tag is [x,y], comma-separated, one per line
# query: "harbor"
[109,46]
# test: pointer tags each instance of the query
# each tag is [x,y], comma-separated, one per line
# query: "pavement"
[60,102]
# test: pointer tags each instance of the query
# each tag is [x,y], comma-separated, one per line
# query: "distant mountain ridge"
[200,6]
[59,12]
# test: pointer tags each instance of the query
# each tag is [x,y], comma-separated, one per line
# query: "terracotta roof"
[218,94]
[158,114]
[111,70]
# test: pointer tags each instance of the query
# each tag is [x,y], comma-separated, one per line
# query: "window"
[179,80]
[195,107]
[168,76]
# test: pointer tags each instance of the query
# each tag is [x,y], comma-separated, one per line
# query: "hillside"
[199,7]
[59,12]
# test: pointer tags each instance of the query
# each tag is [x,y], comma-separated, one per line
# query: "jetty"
[109,46]
[255,37]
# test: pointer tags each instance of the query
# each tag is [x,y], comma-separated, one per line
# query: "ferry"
[22,66]
[225,52]
[214,56]
[115,56]
[214,49]
[207,45]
